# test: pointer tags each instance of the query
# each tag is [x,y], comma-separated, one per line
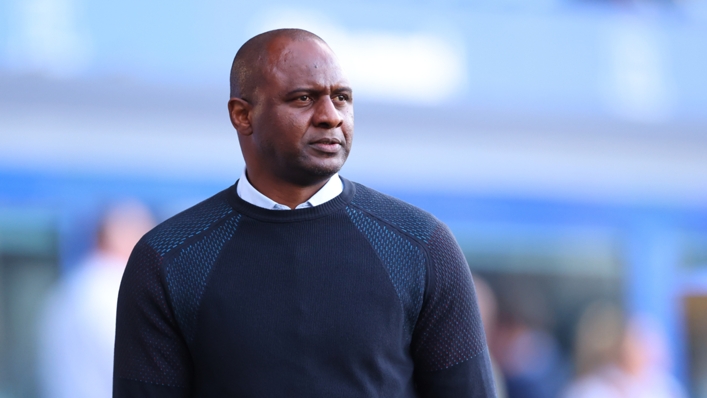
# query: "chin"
[312,173]
[325,171]
[308,170]
[322,166]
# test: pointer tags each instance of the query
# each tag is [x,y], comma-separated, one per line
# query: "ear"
[240,112]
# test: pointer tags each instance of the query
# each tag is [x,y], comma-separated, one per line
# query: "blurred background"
[563,141]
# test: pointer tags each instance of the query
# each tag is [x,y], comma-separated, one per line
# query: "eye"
[303,98]
[342,97]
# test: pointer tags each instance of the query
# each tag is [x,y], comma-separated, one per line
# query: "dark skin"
[296,128]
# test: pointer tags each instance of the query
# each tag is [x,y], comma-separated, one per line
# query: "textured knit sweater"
[363,296]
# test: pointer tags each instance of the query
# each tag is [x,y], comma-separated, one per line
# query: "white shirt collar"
[329,191]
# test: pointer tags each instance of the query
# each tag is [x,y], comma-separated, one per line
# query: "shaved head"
[254,56]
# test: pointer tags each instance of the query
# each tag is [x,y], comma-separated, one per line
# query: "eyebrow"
[344,89]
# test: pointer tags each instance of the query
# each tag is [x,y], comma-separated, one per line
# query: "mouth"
[327,145]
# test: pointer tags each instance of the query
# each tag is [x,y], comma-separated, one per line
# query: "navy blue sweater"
[363,296]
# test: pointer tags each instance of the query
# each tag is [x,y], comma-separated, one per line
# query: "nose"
[326,115]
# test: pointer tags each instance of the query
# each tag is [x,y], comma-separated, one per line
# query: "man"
[296,282]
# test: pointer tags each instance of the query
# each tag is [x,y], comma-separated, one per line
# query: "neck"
[284,192]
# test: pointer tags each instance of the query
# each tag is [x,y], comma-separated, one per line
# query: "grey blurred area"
[28,266]
[129,128]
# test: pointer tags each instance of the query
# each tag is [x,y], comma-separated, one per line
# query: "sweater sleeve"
[449,347]
[151,356]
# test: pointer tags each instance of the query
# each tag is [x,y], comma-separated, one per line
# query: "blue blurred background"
[563,141]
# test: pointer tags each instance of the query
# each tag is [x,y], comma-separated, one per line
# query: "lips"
[327,145]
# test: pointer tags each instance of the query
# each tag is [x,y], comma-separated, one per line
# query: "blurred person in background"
[529,355]
[77,330]
[620,358]
[488,306]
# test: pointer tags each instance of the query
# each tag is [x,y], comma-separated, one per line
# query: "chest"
[300,289]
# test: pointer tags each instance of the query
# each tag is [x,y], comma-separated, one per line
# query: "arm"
[449,345]
[151,356]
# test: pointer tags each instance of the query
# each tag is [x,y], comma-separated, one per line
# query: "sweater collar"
[247,192]
[253,211]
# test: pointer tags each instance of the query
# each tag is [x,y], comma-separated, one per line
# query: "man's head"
[292,107]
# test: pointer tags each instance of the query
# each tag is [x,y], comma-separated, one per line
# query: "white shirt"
[329,191]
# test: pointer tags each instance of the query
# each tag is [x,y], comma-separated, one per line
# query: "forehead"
[301,63]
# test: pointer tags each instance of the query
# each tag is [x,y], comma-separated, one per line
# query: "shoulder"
[169,267]
[403,216]
[190,223]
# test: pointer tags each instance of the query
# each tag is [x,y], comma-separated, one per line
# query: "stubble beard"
[301,168]
[305,172]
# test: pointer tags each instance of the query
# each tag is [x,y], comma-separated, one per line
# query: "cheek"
[285,136]
[348,130]
[294,127]
[279,129]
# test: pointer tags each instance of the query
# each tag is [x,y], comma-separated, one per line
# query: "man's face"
[302,114]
